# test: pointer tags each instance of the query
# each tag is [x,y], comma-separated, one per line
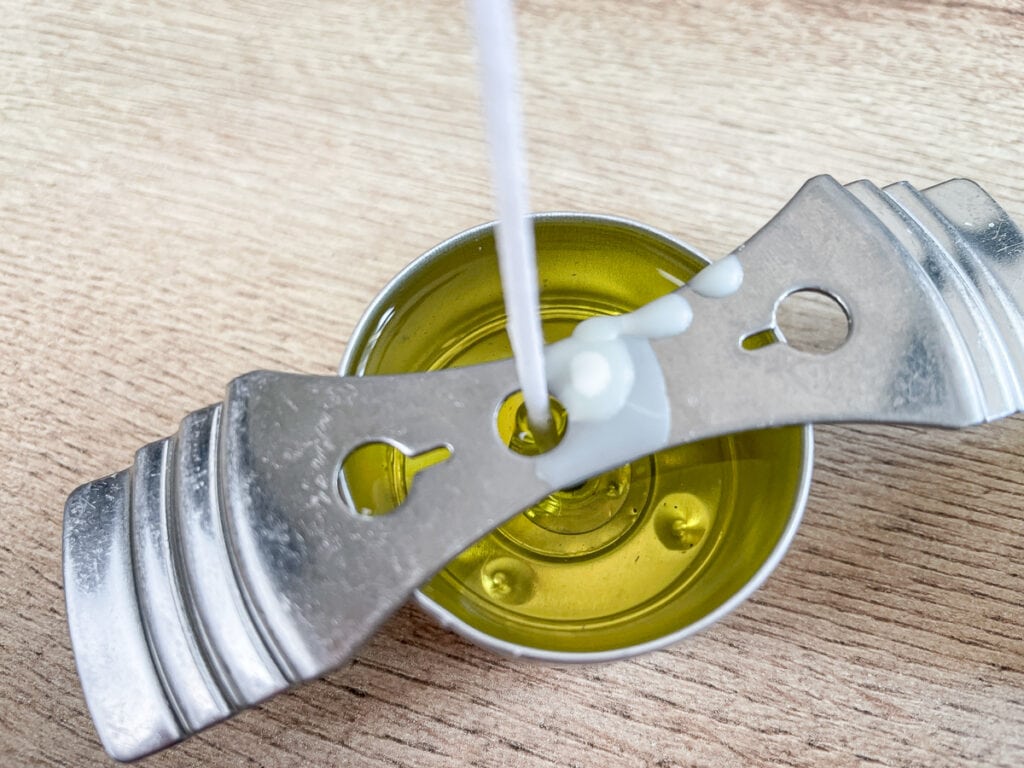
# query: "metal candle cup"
[631,560]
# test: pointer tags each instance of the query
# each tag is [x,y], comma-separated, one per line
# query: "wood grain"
[189,191]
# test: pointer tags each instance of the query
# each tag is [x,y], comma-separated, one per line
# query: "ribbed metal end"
[163,638]
[974,255]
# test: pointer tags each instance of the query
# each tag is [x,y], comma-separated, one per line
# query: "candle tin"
[631,560]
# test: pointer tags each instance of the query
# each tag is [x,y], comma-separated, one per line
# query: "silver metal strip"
[249,573]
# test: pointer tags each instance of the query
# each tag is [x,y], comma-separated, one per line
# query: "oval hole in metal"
[812,320]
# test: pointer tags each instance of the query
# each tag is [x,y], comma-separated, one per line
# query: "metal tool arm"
[934,304]
[224,566]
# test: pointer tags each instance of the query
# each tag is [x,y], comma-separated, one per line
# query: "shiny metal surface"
[122,685]
[230,641]
[225,566]
[906,359]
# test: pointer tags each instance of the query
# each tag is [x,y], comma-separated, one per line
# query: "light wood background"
[192,190]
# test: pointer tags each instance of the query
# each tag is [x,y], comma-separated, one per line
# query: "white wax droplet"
[609,430]
[604,328]
[718,280]
[591,373]
[665,316]
[592,380]
[517,258]
[607,377]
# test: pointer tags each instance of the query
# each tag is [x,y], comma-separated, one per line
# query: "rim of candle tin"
[517,650]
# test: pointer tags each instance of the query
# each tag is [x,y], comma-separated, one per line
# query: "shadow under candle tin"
[631,560]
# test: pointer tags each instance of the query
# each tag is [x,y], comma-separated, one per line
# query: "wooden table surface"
[189,191]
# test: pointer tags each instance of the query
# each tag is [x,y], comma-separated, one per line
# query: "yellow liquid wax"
[627,557]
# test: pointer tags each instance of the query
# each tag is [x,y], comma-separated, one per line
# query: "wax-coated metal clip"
[224,566]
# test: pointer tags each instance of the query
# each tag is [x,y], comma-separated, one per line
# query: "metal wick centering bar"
[224,566]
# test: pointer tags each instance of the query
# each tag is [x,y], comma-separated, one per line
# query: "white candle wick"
[517,258]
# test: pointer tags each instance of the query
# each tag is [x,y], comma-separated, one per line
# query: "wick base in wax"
[545,434]
[524,437]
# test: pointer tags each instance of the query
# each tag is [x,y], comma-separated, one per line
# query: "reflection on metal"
[224,566]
